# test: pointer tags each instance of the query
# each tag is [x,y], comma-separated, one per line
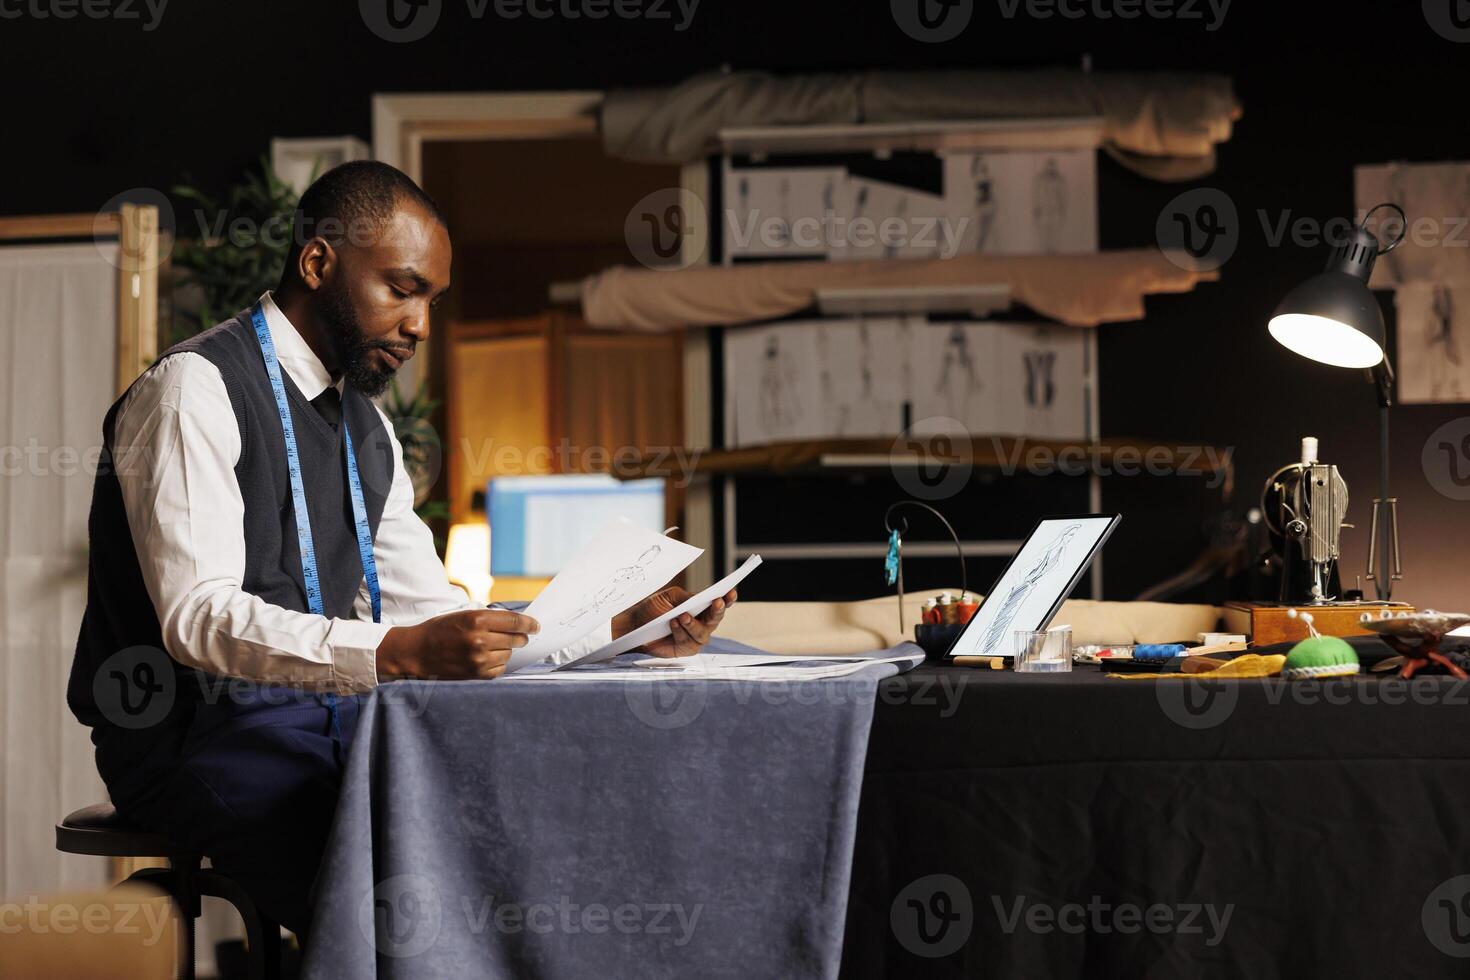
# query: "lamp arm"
[1384,563]
[1382,377]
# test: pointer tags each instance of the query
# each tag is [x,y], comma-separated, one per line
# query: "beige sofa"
[871,624]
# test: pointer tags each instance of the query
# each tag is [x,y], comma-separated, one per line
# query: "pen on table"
[966,660]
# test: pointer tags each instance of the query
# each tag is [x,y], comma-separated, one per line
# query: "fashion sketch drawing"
[780,402]
[624,582]
[1022,590]
[959,380]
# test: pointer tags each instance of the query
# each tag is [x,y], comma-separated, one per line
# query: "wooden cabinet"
[547,394]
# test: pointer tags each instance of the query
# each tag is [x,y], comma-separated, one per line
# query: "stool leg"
[186,878]
[179,882]
[270,951]
[261,934]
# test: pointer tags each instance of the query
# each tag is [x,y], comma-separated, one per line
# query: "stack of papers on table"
[767,667]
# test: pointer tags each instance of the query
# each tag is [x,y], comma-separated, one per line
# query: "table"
[1083,826]
[595,828]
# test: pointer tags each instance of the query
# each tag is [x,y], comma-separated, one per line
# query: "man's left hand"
[688,634]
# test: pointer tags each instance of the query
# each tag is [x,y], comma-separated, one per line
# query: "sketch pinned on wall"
[879,220]
[829,209]
[957,362]
[865,347]
[1049,206]
[1000,202]
[906,359]
[782,225]
[1433,355]
[780,211]
[780,388]
[853,378]
[1436,199]
[1041,386]
[987,203]
[1023,202]
[1395,261]
[836,410]
[959,376]
[1430,271]
[1042,371]
[865,353]
[892,244]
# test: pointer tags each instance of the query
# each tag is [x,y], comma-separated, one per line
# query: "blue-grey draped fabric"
[596,828]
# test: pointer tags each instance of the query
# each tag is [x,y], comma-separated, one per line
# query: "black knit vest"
[120,615]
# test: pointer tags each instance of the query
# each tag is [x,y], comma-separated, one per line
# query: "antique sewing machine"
[1304,506]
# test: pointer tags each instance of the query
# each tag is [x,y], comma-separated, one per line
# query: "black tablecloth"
[1083,826]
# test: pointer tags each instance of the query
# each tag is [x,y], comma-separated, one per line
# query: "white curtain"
[58,349]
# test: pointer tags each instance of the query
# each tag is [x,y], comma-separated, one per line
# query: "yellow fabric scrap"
[1249,665]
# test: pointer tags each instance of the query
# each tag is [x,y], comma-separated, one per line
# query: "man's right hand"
[470,645]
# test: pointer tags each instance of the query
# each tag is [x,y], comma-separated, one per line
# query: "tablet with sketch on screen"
[1034,585]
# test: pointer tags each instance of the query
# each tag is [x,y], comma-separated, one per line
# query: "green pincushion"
[1320,656]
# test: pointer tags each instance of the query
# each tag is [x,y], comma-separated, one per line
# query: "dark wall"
[94,107]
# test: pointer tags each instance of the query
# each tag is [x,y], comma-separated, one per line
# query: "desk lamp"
[467,560]
[1335,319]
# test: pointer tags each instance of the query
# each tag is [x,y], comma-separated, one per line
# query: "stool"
[99,830]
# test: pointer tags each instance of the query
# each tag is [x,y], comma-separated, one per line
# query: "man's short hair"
[351,203]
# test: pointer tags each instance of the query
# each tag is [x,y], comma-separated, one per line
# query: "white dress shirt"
[176,443]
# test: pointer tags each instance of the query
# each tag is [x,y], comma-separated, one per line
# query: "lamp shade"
[1334,318]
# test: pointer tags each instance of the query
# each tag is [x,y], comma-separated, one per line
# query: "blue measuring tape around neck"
[298,497]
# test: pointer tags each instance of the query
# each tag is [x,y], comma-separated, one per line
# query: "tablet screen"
[1034,585]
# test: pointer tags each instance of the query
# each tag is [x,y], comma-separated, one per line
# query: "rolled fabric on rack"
[1164,125]
[1081,290]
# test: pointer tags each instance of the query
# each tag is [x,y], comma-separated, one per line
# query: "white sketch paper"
[852,378]
[772,385]
[1433,356]
[1033,586]
[1042,371]
[1023,202]
[1436,200]
[955,367]
[1430,269]
[659,628]
[621,566]
[780,211]
[878,220]
[1004,202]
[772,673]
